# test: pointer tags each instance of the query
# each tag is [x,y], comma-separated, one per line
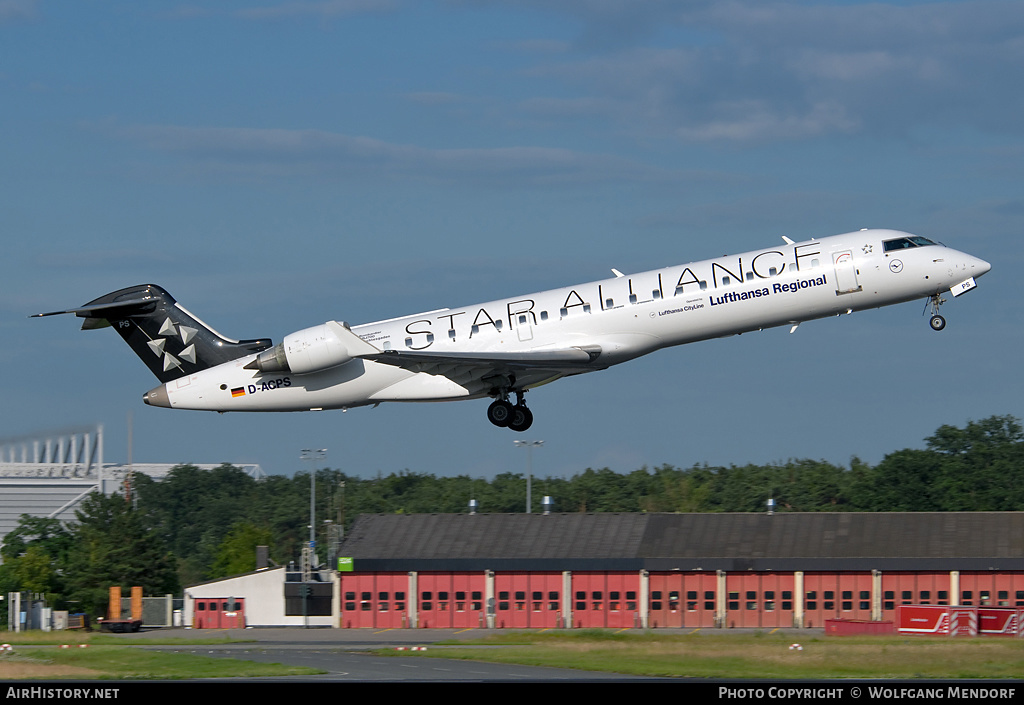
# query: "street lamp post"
[312,455]
[529,445]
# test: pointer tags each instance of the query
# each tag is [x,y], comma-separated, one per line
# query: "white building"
[269,597]
[50,474]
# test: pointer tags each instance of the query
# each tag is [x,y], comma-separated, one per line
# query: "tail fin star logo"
[170,330]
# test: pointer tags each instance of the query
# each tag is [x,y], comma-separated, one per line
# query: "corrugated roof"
[688,541]
[475,536]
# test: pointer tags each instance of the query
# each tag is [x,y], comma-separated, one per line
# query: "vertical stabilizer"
[170,340]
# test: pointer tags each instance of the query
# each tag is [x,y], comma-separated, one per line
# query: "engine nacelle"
[308,350]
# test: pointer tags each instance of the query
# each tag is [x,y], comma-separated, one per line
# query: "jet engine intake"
[308,350]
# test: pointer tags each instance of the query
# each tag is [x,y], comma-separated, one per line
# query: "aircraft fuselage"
[613,320]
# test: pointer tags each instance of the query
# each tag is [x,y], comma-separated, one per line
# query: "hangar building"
[650,570]
[674,570]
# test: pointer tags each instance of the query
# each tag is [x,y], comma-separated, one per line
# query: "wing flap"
[556,360]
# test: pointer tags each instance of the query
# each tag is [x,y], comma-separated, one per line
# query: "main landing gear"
[504,414]
[937,322]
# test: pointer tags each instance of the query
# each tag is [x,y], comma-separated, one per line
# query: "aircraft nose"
[980,266]
[157,397]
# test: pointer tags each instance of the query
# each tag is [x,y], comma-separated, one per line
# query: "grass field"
[104,657]
[755,656]
[709,655]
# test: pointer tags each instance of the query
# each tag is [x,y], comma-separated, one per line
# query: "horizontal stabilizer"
[92,310]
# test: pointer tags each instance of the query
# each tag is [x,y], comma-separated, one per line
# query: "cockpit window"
[904,243]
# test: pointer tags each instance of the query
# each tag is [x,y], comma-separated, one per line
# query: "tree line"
[198,525]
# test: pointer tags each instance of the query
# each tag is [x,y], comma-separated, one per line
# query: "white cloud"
[278,152]
[325,8]
[736,71]
[11,10]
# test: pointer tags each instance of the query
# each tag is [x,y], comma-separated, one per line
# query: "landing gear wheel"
[500,413]
[522,418]
[937,322]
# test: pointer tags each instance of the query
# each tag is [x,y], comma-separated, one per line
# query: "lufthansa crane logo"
[896,266]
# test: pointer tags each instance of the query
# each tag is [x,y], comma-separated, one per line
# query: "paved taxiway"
[343,655]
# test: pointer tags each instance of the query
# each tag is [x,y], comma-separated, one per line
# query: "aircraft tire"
[522,419]
[500,413]
[937,322]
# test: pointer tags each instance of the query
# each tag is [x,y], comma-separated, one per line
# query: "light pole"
[529,445]
[308,556]
[312,455]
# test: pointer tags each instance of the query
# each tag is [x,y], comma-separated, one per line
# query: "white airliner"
[508,346]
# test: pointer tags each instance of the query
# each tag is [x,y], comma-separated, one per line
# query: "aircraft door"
[523,321]
[846,272]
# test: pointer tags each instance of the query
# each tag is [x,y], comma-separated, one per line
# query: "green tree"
[48,534]
[981,465]
[236,554]
[115,545]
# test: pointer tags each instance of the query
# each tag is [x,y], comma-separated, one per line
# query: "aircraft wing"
[558,361]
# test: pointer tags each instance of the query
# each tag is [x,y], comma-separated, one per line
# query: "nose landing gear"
[936,321]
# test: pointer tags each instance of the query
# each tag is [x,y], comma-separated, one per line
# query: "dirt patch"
[21,670]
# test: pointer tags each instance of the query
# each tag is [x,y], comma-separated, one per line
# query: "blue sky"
[278,164]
